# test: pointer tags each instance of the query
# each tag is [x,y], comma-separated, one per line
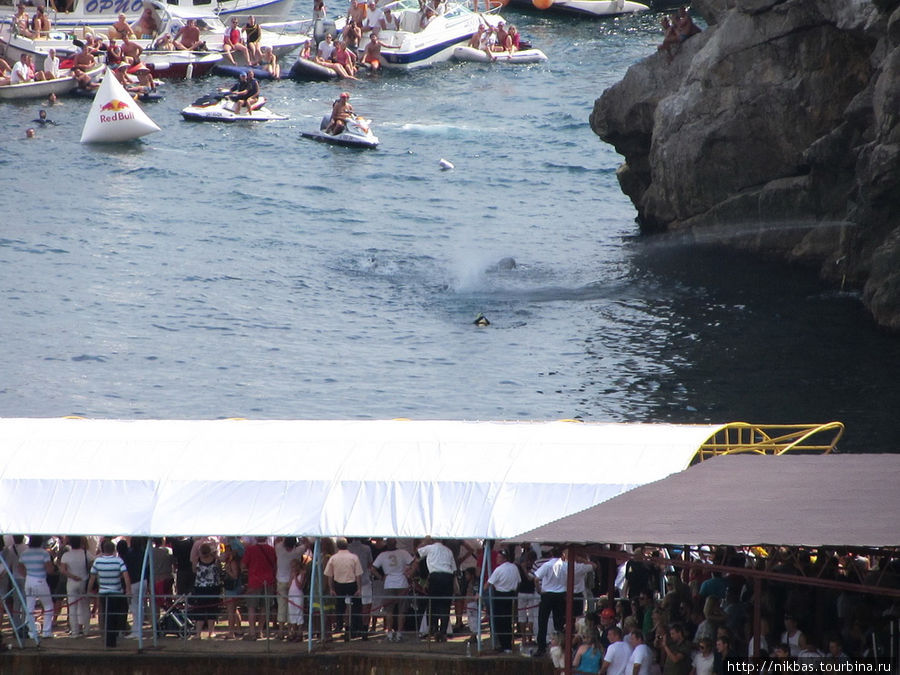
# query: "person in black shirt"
[248,95]
[726,661]
[42,119]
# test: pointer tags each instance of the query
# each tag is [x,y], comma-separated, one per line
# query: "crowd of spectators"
[645,615]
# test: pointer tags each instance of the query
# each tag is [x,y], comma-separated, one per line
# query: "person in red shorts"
[371,57]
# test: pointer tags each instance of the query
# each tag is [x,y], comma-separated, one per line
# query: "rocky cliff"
[776,129]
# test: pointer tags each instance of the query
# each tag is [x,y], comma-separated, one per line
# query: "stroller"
[175,620]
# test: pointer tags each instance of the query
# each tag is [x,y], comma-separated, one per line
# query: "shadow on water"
[735,338]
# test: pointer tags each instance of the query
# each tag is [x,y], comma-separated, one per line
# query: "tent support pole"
[153,591]
[484,563]
[15,592]
[757,615]
[139,610]
[312,595]
[570,606]
[612,571]
[323,621]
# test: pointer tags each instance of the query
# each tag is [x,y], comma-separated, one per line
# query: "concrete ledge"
[347,663]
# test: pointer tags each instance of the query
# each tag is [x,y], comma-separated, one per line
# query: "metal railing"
[157,616]
[771,439]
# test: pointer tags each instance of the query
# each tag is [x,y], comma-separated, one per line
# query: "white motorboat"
[180,65]
[421,41]
[104,12]
[64,84]
[522,56]
[596,8]
[13,45]
[219,108]
[357,133]
[283,38]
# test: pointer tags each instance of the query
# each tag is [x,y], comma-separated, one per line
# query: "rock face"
[777,129]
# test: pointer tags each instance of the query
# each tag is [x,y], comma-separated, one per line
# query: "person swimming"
[42,118]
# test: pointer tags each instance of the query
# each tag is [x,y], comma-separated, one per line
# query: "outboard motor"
[323,27]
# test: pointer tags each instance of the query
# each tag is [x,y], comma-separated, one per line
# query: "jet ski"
[357,133]
[220,108]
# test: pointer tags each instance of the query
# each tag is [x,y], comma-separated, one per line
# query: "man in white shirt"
[641,656]
[374,18]
[20,72]
[615,661]
[505,581]
[363,551]
[441,567]
[344,574]
[51,65]
[551,578]
[326,48]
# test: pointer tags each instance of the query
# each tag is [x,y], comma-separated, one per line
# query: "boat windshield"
[453,8]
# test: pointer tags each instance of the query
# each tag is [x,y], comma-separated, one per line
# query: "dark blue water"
[212,270]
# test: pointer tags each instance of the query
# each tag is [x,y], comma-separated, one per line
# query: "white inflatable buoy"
[115,116]
[445,164]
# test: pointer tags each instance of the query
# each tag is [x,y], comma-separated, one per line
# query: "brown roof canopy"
[739,500]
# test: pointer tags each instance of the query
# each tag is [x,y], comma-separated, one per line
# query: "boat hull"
[421,57]
[171,19]
[28,90]
[587,8]
[232,70]
[410,46]
[222,111]
[346,140]
[305,70]
[103,14]
[59,86]
[181,65]
[13,46]
[524,56]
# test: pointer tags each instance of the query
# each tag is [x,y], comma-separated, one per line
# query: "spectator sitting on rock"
[684,24]
[670,39]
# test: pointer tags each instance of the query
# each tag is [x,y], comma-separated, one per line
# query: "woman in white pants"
[76,565]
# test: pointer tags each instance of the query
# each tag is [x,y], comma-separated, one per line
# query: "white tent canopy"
[322,478]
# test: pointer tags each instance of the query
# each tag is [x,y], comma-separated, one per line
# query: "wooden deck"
[89,656]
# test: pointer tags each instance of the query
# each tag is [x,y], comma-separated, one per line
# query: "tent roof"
[742,500]
[322,478]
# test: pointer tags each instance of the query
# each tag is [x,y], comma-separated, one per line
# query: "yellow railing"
[771,439]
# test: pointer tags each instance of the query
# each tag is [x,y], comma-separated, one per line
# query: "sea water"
[213,271]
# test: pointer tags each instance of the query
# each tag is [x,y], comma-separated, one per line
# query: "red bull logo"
[115,104]
[115,111]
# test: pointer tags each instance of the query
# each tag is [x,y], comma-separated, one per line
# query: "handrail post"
[312,595]
[15,590]
[484,563]
[138,614]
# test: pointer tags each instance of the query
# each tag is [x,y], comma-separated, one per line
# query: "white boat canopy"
[322,478]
